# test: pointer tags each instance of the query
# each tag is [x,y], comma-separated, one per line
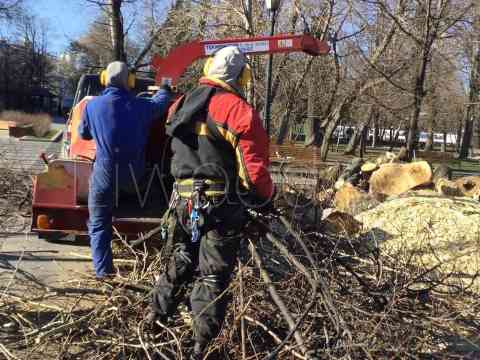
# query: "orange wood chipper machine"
[59,204]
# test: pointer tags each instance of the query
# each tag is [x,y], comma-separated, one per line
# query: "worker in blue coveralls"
[119,123]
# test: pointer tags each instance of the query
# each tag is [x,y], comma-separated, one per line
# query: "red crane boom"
[170,68]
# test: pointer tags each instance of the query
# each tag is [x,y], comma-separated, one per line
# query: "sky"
[69,19]
[66,19]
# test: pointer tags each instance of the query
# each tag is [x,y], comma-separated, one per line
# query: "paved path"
[28,257]
[24,155]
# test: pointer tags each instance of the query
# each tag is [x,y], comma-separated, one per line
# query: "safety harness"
[186,121]
[198,193]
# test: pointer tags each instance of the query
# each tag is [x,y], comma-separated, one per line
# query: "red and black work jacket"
[217,135]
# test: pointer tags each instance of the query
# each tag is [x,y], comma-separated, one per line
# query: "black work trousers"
[209,263]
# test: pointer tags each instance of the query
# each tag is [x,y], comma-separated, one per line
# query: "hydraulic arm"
[170,68]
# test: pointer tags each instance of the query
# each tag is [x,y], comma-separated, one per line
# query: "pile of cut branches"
[296,293]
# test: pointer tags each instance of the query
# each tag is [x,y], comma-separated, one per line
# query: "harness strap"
[210,188]
[182,122]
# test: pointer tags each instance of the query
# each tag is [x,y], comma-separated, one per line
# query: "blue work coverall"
[119,123]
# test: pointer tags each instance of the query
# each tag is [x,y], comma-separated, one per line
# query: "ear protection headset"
[131,79]
[244,78]
[206,67]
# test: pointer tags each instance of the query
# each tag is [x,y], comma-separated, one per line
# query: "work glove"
[260,204]
[166,87]
[267,208]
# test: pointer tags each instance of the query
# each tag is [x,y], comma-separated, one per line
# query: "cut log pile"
[363,184]
[408,210]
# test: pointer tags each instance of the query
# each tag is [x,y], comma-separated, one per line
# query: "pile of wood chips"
[434,230]
[408,210]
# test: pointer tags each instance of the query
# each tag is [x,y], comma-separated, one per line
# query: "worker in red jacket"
[220,164]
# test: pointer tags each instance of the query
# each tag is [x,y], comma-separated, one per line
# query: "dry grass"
[40,122]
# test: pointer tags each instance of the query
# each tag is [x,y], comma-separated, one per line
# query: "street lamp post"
[272,6]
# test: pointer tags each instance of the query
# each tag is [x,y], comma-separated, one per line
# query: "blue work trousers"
[107,183]
[100,208]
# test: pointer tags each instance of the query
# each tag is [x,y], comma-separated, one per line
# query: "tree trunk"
[376,131]
[443,148]
[313,135]
[363,140]
[474,93]
[354,140]
[412,131]
[432,115]
[471,122]
[116,23]
[467,135]
[337,115]
[426,26]
[458,139]
[358,136]
[419,94]
[284,127]
[429,142]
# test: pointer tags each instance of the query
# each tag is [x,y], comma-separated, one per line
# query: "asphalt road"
[25,256]
[23,155]
[28,257]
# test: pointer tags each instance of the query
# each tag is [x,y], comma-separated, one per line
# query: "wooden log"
[442,171]
[369,167]
[447,187]
[469,186]
[442,181]
[328,177]
[349,199]
[338,222]
[395,179]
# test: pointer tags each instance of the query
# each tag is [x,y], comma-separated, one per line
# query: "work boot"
[198,350]
[152,317]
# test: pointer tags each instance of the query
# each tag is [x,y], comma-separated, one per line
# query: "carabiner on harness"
[195,219]
[198,206]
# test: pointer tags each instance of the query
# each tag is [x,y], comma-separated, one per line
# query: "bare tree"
[25,65]
[431,21]
[360,86]
[116,24]
[431,113]
[473,103]
[10,9]
[112,11]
